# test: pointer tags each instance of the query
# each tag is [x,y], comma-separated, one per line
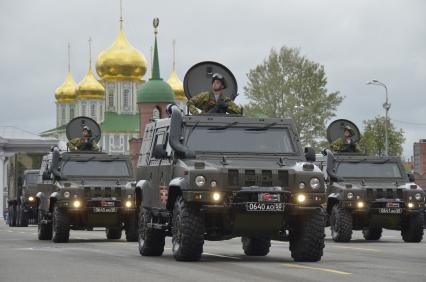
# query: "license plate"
[103,210]
[390,210]
[273,207]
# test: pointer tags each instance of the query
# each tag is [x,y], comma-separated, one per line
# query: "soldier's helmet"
[218,76]
[350,130]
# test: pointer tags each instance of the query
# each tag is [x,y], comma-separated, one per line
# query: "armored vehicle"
[82,189]
[216,177]
[23,178]
[369,193]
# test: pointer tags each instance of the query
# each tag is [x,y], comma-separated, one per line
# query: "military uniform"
[340,145]
[206,102]
[83,144]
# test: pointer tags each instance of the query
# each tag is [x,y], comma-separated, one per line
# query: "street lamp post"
[386,106]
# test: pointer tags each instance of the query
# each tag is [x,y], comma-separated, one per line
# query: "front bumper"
[92,213]
[232,212]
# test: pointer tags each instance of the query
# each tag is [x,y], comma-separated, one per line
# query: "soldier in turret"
[86,143]
[346,143]
[214,101]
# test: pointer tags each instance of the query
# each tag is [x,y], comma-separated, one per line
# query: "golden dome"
[177,86]
[121,61]
[67,92]
[89,88]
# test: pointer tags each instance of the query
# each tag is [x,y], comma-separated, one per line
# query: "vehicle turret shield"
[336,129]
[199,79]
[75,128]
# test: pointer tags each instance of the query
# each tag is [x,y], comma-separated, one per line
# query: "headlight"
[302,185]
[76,204]
[360,205]
[350,195]
[315,183]
[418,196]
[216,196]
[410,205]
[200,180]
[30,198]
[128,204]
[301,198]
[67,194]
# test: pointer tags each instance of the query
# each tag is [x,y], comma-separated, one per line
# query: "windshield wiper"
[261,128]
[357,161]
[224,127]
[382,162]
[85,161]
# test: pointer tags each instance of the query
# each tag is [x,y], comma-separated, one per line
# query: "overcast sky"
[356,41]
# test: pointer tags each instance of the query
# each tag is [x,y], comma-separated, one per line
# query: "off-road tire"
[412,230]
[151,241]
[340,224]
[44,229]
[307,237]
[131,229]
[187,231]
[113,232]
[60,226]
[23,217]
[256,246]
[372,234]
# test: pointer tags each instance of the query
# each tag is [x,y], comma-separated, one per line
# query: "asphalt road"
[90,257]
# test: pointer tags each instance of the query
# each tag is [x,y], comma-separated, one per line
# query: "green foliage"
[373,138]
[288,85]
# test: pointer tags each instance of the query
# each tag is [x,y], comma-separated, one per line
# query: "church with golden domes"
[121,101]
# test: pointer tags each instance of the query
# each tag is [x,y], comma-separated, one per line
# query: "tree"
[288,85]
[373,137]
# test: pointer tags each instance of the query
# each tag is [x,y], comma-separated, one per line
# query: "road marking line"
[317,268]
[220,256]
[356,248]
[23,232]
[10,231]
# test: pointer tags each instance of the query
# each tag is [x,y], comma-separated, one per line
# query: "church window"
[93,110]
[72,113]
[63,113]
[83,109]
[126,99]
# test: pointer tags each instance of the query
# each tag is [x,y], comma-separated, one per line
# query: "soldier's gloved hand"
[222,106]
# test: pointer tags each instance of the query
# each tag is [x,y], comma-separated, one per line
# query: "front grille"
[250,177]
[374,194]
[102,192]
[233,176]
[266,177]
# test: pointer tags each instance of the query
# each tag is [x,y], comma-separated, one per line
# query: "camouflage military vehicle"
[370,193]
[23,208]
[85,189]
[216,177]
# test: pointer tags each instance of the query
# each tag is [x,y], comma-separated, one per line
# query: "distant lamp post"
[386,106]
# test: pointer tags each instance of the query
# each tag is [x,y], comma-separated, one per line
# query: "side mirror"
[411,177]
[310,154]
[159,151]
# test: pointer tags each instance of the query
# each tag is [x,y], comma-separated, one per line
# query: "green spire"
[155,90]
[155,64]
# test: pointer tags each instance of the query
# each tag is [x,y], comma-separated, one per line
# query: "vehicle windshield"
[31,178]
[237,139]
[95,168]
[366,170]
